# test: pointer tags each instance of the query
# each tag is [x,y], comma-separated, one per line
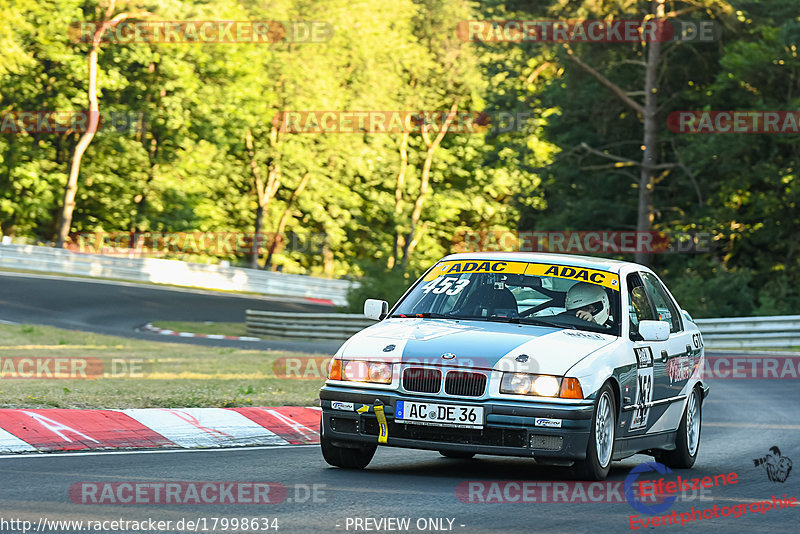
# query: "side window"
[639,307]
[665,309]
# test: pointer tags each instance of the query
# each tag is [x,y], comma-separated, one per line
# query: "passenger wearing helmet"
[588,302]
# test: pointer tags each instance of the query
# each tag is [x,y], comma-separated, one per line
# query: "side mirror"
[375,309]
[654,330]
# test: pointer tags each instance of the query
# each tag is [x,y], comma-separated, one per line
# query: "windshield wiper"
[558,324]
[502,319]
[541,322]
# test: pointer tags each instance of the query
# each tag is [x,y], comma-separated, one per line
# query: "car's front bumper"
[509,427]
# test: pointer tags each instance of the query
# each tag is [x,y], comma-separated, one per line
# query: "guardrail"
[328,326]
[742,332]
[160,271]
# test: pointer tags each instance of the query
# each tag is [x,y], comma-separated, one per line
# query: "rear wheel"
[457,455]
[687,442]
[601,438]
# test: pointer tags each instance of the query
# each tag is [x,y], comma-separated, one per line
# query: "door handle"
[664,356]
[688,350]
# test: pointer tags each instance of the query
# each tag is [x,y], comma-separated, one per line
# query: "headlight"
[355,370]
[380,372]
[361,371]
[517,383]
[526,384]
[546,386]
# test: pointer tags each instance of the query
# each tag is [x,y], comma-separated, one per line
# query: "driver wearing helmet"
[588,302]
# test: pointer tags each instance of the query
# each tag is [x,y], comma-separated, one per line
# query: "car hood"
[474,344]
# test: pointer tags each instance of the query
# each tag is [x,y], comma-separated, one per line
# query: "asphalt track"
[742,420]
[119,308]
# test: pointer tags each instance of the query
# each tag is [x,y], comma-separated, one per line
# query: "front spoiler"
[509,428]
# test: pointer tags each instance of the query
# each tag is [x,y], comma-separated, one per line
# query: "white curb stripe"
[11,443]
[165,332]
[205,427]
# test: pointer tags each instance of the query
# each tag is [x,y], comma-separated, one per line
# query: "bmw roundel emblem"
[448,356]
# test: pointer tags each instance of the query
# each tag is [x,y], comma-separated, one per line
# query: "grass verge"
[144,374]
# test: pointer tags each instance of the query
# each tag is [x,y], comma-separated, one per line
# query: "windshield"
[518,292]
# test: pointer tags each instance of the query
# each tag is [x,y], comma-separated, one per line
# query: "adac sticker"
[593,276]
[475,266]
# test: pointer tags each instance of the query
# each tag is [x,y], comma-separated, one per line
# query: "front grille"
[500,437]
[464,384]
[422,379]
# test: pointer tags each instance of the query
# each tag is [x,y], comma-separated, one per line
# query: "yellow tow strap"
[383,435]
[383,428]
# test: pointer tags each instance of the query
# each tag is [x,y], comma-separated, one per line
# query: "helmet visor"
[593,308]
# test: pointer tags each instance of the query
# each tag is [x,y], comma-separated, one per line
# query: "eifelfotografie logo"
[778,467]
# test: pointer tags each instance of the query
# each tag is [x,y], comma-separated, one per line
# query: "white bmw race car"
[568,360]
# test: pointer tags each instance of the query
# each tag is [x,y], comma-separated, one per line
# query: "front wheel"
[356,457]
[601,438]
[687,442]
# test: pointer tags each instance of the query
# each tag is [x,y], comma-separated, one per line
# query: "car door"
[674,359]
[648,393]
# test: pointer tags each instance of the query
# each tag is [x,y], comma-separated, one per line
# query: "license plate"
[450,415]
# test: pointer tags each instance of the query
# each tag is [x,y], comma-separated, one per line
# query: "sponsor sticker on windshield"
[476,266]
[580,274]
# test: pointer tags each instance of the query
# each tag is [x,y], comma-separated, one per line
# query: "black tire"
[683,457]
[457,455]
[593,467]
[355,457]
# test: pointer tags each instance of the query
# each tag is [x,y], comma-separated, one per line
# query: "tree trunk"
[68,205]
[259,183]
[649,162]
[264,193]
[646,209]
[285,219]
[398,199]
[412,239]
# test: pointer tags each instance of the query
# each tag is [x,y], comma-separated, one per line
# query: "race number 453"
[449,285]
[644,387]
